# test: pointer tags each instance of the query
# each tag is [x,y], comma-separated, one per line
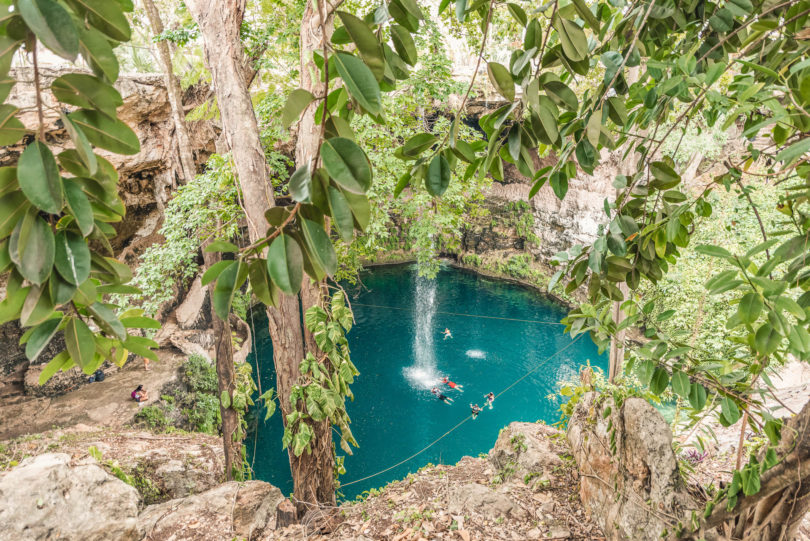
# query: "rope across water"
[467,418]
[462,314]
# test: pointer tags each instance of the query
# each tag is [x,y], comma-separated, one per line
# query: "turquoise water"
[398,346]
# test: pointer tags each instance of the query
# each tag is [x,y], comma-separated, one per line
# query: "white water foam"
[423,373]
[476,354]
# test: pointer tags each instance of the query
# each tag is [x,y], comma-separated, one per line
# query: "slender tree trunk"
[616,362]
[219,25]
[175,94]
[225,382]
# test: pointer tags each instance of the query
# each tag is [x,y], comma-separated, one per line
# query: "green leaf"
[11,129]
[561,94]
[107,321]
[417,144]
[52,25]
[72,257]
[360,81]
[300,184]
[87,92]
[140,322]
[297,101]
[767,339]
[366,42]
[60,290]
[221,246]
[730,410]
[697,396]
[41,336]
[83,148]
[587,15]
[573,40]
[616,244]
[713,251]
[794,151]
[665,176]
[559,183]
[347,164]
[80,342]
[39,179]
[750,307]
[413,9]
[98,53]
[37,307]
[403,43]
[341,213]
[228,282]
[438,176]
[680,384]
[31,248]
[285,264]
[107,133]
[361,209]
[59,362]
[213,271]
[773,429]
[263,287]
[319,246]
[108,17]
[502,80]
[517,13]
[659,381]
[140,345]
[225,399]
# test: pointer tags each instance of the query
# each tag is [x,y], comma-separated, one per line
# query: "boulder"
[46,498]
[477,498]
[231,510]
[631,490]
[525,450]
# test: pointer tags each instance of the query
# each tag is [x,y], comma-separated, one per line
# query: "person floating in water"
[490,399]
[440,396]
[452,384]
[476,409]
[447,333]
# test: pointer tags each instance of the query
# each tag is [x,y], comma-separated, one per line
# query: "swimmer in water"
[453,385]
[490,399]
[440,396]
[447,334]
[476,409]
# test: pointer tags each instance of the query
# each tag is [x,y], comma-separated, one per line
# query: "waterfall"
[423,372]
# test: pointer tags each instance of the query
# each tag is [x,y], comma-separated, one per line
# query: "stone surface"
[46,498]
[231,510]
[526,449]
[631,492]
[478,498]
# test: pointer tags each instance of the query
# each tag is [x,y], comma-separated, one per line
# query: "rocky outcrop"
[629,477]
[230,511]
[47,498]
[526,451]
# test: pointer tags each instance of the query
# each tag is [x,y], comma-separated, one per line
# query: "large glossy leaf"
[79,207]
[228,282]
[83,148]
[681,384]
[72,257]
[107,321]
[261,284]
[750,307]
[573,40]
[285,264]
[11,129]
[347,164]
[501,79]
[404,44]
[88,92]
[366,42]
[108,17]
[438,176]
[61,362]
[52,25]
[98,53]
[105,132]
[561,94]
[361,209]
[37,307]
[13,207]
[41,337]
[38,175]
[61,291]
[140,345]
[300,184]
[360,81]
[319,247]
[80,342]
[31,248]
[297,101]
[417,144]
[341,213]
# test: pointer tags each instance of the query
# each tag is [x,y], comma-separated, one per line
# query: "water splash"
[423,373]
[476,354]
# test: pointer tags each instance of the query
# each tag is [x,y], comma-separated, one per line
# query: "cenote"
[398,346]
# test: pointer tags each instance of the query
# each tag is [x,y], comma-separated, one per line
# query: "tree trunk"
[776,511]
[219,26]
[225,382]
[175,95]
[616,361]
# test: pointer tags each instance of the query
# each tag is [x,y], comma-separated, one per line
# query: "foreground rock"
[231,510]
[629,477]
[47,498]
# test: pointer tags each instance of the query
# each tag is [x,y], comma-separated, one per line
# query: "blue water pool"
[398,346]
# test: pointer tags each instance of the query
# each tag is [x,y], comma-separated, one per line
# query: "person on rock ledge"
[140,395]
